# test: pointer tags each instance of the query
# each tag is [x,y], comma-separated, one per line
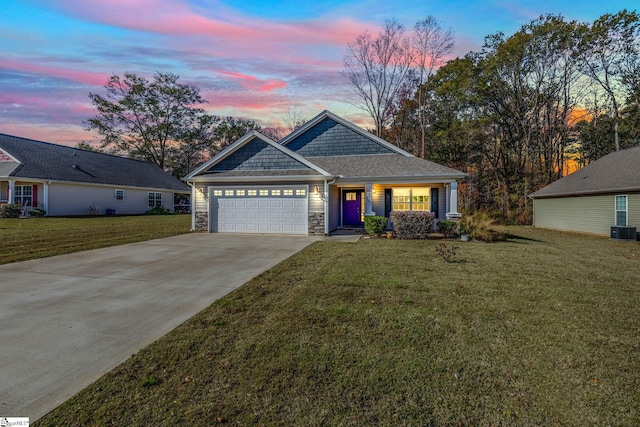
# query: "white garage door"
[278,209]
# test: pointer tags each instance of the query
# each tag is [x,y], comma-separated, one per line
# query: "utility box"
[623,232]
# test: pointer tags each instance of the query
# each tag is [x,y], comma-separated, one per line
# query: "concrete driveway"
[67,320]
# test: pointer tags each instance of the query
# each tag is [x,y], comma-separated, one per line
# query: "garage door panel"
[271,211]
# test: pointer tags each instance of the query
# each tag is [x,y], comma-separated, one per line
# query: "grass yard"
[540,330]
[31,238]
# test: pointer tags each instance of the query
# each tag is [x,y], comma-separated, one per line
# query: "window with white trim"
[119,194]
[621,210]
[411,199]
[155,199]
[23,195]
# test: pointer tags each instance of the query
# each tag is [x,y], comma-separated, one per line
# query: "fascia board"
[258,179]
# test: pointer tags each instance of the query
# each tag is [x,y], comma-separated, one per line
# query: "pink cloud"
[253,83]
[85,77]
[64,135]
[175,17]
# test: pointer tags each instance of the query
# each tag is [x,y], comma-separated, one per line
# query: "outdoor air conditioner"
[623,232]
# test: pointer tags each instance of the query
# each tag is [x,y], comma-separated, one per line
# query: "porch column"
[368,200]
[10,190]
[45,197]
[453,201]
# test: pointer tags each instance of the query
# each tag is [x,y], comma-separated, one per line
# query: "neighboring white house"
[602,195]
[328,174]
[66,181]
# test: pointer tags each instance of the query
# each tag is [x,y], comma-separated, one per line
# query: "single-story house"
[326,175]
[65,181]
[603,194]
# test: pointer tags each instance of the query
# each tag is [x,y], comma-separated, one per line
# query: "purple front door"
[352,207]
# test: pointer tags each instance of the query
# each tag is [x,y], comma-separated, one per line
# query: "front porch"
[350,203]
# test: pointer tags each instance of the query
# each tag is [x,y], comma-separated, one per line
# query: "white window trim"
[157,197]
[626,209]
[116,195]
[411,202]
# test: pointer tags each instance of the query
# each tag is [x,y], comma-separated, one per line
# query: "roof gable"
[253,153]
[45,161]
[329,135]
[616,172]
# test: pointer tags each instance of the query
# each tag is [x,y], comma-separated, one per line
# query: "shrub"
[446,253]
[158,210]
[10,211]
[449,228]
[375,225]
[37,213]
[480,226]
[412,225]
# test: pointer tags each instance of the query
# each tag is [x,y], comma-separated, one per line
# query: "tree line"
[516,115]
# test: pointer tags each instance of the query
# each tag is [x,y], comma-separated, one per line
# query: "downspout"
[193,205]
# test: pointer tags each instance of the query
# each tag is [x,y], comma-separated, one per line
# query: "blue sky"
[254,59]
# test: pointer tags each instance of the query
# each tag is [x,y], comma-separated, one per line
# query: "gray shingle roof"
[613,173]
[383,165]
[43,160]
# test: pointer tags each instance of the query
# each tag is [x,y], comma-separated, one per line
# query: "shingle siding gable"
[257,155]
[330,138]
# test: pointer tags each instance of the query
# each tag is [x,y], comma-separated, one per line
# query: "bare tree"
[293,119]
[430,43]
[376,68]
[607,48]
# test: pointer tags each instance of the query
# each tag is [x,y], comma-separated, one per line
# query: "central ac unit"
[623,232]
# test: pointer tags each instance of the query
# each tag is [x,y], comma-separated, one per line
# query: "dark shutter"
[434,201]
[387,202]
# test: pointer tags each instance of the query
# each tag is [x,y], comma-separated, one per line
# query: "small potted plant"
[464,234]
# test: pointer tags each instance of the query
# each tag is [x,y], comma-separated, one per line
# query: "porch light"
[319,193]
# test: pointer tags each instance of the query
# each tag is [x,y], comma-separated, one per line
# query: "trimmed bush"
[10,211]
[158,210]
[375,225]
[449,228]
[412,225]
[37,213]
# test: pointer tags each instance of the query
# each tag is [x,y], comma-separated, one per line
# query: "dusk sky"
[251,59]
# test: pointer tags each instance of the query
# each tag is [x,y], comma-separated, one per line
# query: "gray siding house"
[65,181]
[603,194]
[328,174]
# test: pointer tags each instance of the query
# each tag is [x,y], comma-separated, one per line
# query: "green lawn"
[540,330]
[24,239]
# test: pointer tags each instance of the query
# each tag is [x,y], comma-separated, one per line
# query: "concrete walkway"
[67,320]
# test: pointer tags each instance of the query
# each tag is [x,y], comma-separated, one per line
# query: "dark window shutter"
[387,202]
[434,201]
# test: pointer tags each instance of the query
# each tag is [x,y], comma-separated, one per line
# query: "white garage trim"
[277,209]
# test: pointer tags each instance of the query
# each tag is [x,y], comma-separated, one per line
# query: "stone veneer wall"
[202,221]
[316,223]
